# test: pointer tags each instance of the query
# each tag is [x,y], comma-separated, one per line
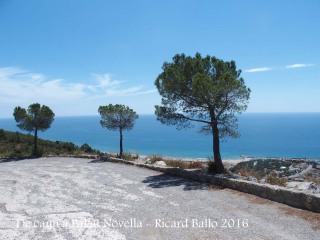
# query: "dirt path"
[61,198]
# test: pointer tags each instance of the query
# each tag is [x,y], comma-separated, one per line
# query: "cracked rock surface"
[68,198]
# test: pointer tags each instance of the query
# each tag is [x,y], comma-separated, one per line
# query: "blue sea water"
[262,135]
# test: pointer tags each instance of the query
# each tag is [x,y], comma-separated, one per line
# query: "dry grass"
[312,179]
[195,165]
[183,164]
[273,179]
[155,158]
[175,163]
[245,172]
[125,156]
[129,156]
[115,155]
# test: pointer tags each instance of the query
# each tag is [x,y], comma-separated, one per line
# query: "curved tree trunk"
[35,143]
[121,149]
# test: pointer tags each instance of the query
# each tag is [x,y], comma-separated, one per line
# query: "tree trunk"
[216,148]
[121,149]
[35,143]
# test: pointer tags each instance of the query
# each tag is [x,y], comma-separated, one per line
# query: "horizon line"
[153,114]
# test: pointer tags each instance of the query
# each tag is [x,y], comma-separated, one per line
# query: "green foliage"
[35,118]
[86,148]
[115,117]
[205,90]
[129,156]
[261,168]
[20,145]
[2,134]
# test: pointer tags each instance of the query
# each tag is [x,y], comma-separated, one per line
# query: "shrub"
[273,179]
[16,144]
[195,165]
[261,167]
[176,163]
[69,146]
[86,148]
[40,152]
[2,134]
[245,172]
[129,156]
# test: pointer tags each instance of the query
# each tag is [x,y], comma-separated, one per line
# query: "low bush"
[245,172]
[273,179]
[15,144]
[86,148]
[261,168]
[129,156]
[195,165]
[176,163]
[2,134]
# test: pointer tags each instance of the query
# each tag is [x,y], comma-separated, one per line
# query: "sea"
[283,135]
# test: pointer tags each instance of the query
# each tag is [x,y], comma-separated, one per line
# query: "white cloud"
[17,85]
[261,69]
[20,87]
[105,81]
[299,65]
[113,87]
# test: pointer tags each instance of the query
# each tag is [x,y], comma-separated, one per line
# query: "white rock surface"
[161,163]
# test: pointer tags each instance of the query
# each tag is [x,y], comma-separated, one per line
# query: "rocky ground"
[69,198]
[299,174]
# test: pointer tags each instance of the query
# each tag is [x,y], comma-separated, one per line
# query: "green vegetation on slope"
[261,168]
[15,144]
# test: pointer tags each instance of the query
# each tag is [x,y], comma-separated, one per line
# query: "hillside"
[15,144]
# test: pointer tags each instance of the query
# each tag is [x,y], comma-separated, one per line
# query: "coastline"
[150,137]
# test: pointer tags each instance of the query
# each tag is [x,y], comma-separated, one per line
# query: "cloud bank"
[21,87]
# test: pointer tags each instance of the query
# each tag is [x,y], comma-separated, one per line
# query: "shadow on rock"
[99,160]
[163,180]
[5,160]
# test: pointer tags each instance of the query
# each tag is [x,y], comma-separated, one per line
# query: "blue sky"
[76,55]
